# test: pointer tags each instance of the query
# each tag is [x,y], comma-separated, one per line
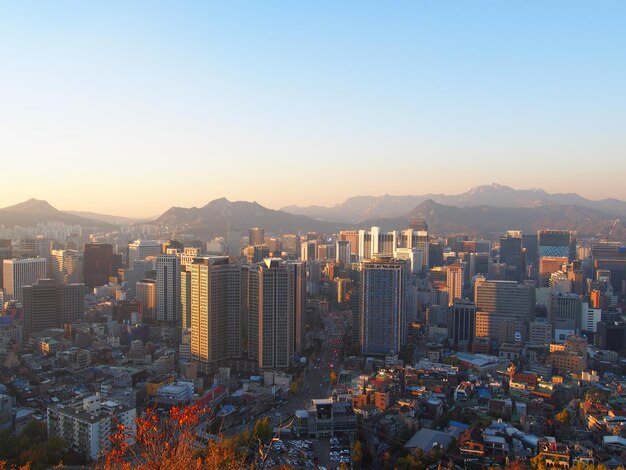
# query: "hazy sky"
[131,107]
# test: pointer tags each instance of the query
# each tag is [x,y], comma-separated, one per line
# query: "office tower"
[146,295]
[511,254]
[216,310]
[97,264]
[40,306]
[168,288]
[308,250]
[256,253]
[185,296]
[290,244]
[479,264]
[374,243]
[141,249]
[413,255]
[314,277]
[611,257]
[383,308]
[611,335]
[130,277]
[590,317]
[351,236]
[565,307]
[416,240]
[325,251]
[463,324]
[455,274]
[233,243]
[65,266]
[507,298]
[217,246]
[530,244]
[48,305]
[18,273]
[71,302]
[6,252]
[299,300]
[549,265]
[188,254]
[127,311]
[343,251]
[501,327]
[557,243]
[256,236]
[272,315]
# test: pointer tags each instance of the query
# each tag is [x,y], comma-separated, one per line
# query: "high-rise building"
[463,324]
[273,301]
[18,273]
[6,252]
[511,254]
[50,305]
[374,243]
[455,275]
[549,265]
[507,298]
[383,305]
[188,255]
[418,240]
[557,243]
[500,327]
[97,264]
[256,236]
[141,249]
[565,307]
[351,236]
[168,288]
[590,317]
[308,250]
[146,295]
[290,243]
[343,251]
[216,310]
[65,266]
[611,257]
[233,243]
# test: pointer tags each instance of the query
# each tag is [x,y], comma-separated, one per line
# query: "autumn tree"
[563,417]
[357,454]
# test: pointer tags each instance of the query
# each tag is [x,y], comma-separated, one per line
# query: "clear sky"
[131,107]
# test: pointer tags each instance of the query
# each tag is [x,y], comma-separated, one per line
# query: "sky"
[129,108]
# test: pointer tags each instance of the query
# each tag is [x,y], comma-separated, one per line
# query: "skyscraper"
[272,324]
[146,294]
[168,288]
[383,306]
[455,276]
[343,251]
[463,324]
[511,254]
[557,243]
[18,273]
[50,305]
[97,264]
[507,298]
[216,310]
[256,236]
[65,266]
[140,249]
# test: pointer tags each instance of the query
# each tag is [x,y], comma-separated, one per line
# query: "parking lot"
[328,453]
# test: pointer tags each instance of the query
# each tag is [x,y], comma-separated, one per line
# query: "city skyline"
[411,98]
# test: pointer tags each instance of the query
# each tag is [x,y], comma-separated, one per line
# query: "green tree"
[262,429]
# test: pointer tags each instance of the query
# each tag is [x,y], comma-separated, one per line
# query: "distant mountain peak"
[33,206]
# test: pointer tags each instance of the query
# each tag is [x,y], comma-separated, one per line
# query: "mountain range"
[30,213]
[361,208]
[215,217]
[482,211]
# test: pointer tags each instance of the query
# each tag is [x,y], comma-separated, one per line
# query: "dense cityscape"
[362,348]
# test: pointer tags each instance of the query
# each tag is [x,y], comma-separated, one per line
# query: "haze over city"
[313,235]
[367,98]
